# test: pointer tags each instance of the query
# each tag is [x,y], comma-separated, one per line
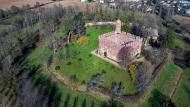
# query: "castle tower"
[118,27]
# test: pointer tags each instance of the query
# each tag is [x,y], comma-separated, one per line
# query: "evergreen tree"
[92,105]
[84,103]
[168,39]
[66,102]
[75,102]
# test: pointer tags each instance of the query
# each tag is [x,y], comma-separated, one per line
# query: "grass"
[88,65]
[162,82]
[182,96]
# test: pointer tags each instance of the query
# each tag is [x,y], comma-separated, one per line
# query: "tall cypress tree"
[84,103]
[92,104]
[75,102]
[66,102]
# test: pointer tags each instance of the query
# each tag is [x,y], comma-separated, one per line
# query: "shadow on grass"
[48,88]
[187,90]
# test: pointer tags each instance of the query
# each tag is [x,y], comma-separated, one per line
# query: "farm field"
[183,21]
[5,4]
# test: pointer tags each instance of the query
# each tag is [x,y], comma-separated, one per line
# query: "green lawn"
[91,65]
[182,96]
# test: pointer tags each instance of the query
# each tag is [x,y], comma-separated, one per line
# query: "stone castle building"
[118,45]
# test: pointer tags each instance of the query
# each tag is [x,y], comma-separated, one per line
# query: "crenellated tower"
[118,27]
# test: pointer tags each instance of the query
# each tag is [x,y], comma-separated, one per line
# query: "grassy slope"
[182,96]
[162,83]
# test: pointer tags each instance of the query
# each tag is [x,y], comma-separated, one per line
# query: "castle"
[119,46]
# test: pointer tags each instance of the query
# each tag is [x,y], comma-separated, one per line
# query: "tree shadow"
[123,56]
[160,100]
[48,89]
[187,90]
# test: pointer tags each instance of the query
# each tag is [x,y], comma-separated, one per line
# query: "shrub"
[96,81]
[103,71]
[83,82]
[57,68]
[117,88]
[133,71]
[73,78]
[83,41]
[90,55]
[144,75]
[69,63]
[80,59]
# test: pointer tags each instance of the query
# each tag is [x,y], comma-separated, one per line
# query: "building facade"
[118,45]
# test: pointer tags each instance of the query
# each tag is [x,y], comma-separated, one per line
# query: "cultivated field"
[5,4]
[184,21]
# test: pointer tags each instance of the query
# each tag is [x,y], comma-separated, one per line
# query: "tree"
[168,39]
[112,103]
[3,14]
[78,24]
[92,104]
[143,77]
[75,102]
[159,100]
[14,10]
[90,1]
[133,71]
[155,56]
[66,102]
[84,103]
[95,82]
[117,88]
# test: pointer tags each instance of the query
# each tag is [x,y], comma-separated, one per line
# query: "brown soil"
[183,20]
[5,4]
